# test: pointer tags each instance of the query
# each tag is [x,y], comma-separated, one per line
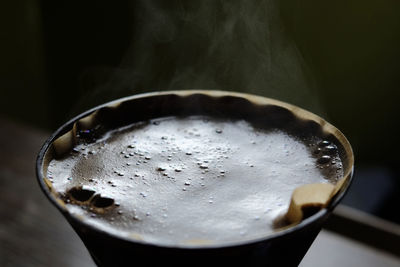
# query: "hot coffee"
[196,177]
[190,179]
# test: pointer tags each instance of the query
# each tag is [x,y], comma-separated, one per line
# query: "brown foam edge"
[317,195]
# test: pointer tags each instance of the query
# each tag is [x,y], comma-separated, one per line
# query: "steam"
[212,44]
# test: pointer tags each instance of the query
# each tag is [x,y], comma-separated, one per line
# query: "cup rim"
[255,99]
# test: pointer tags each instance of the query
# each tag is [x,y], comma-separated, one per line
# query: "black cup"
[285,247]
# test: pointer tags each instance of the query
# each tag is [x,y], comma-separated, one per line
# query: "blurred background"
[339,59]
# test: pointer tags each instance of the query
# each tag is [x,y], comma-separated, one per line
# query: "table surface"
[34,233]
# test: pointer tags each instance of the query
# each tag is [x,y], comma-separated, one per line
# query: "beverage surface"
[190,180]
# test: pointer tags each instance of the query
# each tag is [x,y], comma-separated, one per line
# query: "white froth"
[190,179]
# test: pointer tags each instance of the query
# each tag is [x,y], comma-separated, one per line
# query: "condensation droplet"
[203,166]
[330,150]
[324,159]
[324,143]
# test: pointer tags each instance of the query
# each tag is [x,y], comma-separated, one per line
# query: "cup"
[285,247]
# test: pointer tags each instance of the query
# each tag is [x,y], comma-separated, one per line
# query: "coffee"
[196,177]
[190,179]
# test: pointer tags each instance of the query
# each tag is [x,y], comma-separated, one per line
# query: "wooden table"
[34,233]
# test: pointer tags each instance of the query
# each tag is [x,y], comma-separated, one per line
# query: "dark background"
[56,58]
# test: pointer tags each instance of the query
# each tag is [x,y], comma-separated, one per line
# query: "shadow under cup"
[285,247]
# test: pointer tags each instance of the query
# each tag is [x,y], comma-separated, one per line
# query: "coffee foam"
[175,180]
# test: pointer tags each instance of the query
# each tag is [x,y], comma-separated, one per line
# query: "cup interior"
[257,110]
